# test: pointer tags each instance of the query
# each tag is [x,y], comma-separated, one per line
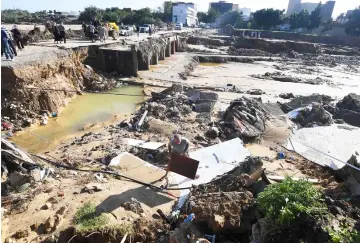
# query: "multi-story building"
[293,6]
[308,6]
[223,7]
[185,13]
[327,10]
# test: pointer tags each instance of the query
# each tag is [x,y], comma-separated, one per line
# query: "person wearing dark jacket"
[18,37]
[56,32]
[62,32]
[5,45]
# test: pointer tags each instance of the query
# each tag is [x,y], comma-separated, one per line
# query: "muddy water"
[79,115]
[210,64]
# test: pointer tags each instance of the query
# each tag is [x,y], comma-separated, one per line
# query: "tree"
[315,18]
[90,13]
[230,18]
[213,14]
[353,25]
[327,27]
[168,11]
[202,17]
[111,17]
[268,18]
[299,20]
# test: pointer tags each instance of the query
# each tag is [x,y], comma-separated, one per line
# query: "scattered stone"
[21,234]
[256,92]
[52,223]
[213,132]
[62,210]
[61,193]
[350,102]
[46,206]
[91,188]
[18,179]
[287,95]
[134,206]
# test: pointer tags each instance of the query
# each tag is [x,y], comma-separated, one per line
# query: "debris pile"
[278,76]
[133,205]
[348,109]
[244,118]
[313,115]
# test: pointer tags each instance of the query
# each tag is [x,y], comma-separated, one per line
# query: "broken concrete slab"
[214,160]
[144,144]
[325,145]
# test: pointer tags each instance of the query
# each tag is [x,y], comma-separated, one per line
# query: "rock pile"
[226,203]
[245,118]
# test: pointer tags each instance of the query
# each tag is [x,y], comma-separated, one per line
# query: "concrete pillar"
[102,60]
[168,49]
[143,62]
[162,54]
[155,58]
[173,47]
[135,63]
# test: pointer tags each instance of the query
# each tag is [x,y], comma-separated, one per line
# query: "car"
[126,31]
[178,26]
[144,28]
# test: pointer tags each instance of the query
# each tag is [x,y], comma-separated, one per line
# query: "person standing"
[56,33]
[5,45]
[62,32]
[11,41]
[83,26]
[138,31]
[177,145]
[17,37]
[102,33]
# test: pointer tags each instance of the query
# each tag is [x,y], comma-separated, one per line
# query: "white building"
[185,13]
[246,13]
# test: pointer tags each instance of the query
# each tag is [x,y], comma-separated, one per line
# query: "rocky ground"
[207,112]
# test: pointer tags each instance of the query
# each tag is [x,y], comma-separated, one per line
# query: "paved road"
[71,43]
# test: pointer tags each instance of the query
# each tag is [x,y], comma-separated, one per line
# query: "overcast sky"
[341,6]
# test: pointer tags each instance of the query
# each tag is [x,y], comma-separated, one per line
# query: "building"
[293,6]
[224,7]
[246,13]
[327,10]
[344,18]
[185,13]
[308,6]
[296,6]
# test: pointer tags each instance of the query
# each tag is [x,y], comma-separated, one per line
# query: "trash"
[281,155]
[189,218]
[141,121]
[54,114]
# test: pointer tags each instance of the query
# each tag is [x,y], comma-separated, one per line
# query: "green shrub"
[86,218]
[344,235]
[285,201]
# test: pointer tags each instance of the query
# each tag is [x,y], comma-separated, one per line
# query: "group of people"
[102,30]
[59,33]
[8,38]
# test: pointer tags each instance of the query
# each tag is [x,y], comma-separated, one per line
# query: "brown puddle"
[82,112]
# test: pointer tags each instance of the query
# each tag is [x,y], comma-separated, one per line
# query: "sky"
[341,6]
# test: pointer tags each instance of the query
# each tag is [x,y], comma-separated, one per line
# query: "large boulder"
[350,102]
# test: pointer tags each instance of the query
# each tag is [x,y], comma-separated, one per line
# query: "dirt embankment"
[44,84]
